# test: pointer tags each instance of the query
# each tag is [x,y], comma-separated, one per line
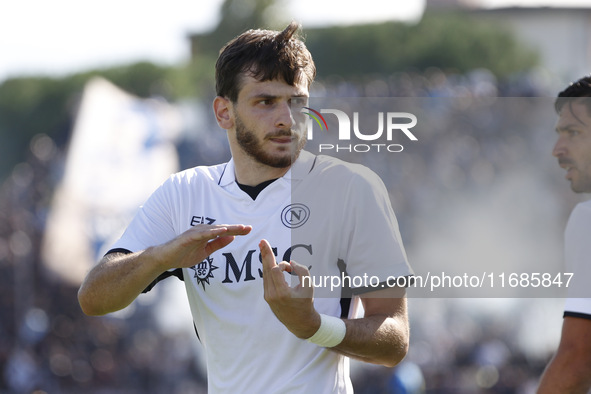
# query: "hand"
[195,244]
[293,306]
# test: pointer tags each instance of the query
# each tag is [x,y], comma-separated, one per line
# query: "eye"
[569,132]
[299,101]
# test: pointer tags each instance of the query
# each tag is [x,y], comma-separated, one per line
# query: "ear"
[223,110]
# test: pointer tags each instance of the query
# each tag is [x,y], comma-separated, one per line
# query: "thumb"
[218,243]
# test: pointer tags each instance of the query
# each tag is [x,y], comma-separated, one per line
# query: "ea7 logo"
[195,220]
[391,124]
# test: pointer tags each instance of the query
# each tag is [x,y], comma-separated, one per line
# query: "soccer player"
[569,371]
[263,325]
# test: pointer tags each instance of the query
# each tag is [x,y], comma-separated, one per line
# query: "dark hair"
[580,88]
[265,55]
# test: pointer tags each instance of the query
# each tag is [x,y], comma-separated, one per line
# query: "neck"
[249,172]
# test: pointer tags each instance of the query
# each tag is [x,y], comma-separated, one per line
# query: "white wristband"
[331,332]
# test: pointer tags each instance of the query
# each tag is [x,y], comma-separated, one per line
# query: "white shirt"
[321,212]
[577,244]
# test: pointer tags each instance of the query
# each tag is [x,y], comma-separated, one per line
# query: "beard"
[580,181]
[253,146]
[581,185]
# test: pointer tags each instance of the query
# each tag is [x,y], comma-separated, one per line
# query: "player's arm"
[569,371]
[381,337]
[119,278]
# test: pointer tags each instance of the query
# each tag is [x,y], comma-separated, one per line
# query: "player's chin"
[280,159]
[580,187]
[281,150]
[283,160]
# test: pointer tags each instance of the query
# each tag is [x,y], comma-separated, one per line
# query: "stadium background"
[63,168]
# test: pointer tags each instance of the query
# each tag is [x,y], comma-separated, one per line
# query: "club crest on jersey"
[295,215]
[203,271]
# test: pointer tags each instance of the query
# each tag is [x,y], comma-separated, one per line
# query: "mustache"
[282,133]
[565,161]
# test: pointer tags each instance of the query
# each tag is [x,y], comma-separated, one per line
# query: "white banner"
[121,150]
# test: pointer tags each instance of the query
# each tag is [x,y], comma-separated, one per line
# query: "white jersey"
[578,260]
[323,213]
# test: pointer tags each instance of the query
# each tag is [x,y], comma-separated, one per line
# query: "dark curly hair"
[580,88]
[265,55]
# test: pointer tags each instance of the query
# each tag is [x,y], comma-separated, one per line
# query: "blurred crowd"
[47,345]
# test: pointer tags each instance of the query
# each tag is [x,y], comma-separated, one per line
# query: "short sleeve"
[373,247]
[153,223]
[578,259]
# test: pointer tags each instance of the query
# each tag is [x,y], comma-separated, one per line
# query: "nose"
[559,147]
[284,119]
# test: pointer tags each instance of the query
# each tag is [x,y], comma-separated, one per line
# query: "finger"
[275,283]
[267,256]
[218,243]
[204,232]
[209,233]
[301,271]
[237,229]
[268,262]
[284,266]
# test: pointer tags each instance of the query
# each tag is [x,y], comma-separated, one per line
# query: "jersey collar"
[302,166]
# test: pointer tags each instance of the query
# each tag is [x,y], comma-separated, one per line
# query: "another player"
[570,369]
[299,216]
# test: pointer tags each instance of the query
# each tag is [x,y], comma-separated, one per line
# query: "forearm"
[117,280]
[381,337]
[377,339]
[566,374]
[570,369]
[562,376]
